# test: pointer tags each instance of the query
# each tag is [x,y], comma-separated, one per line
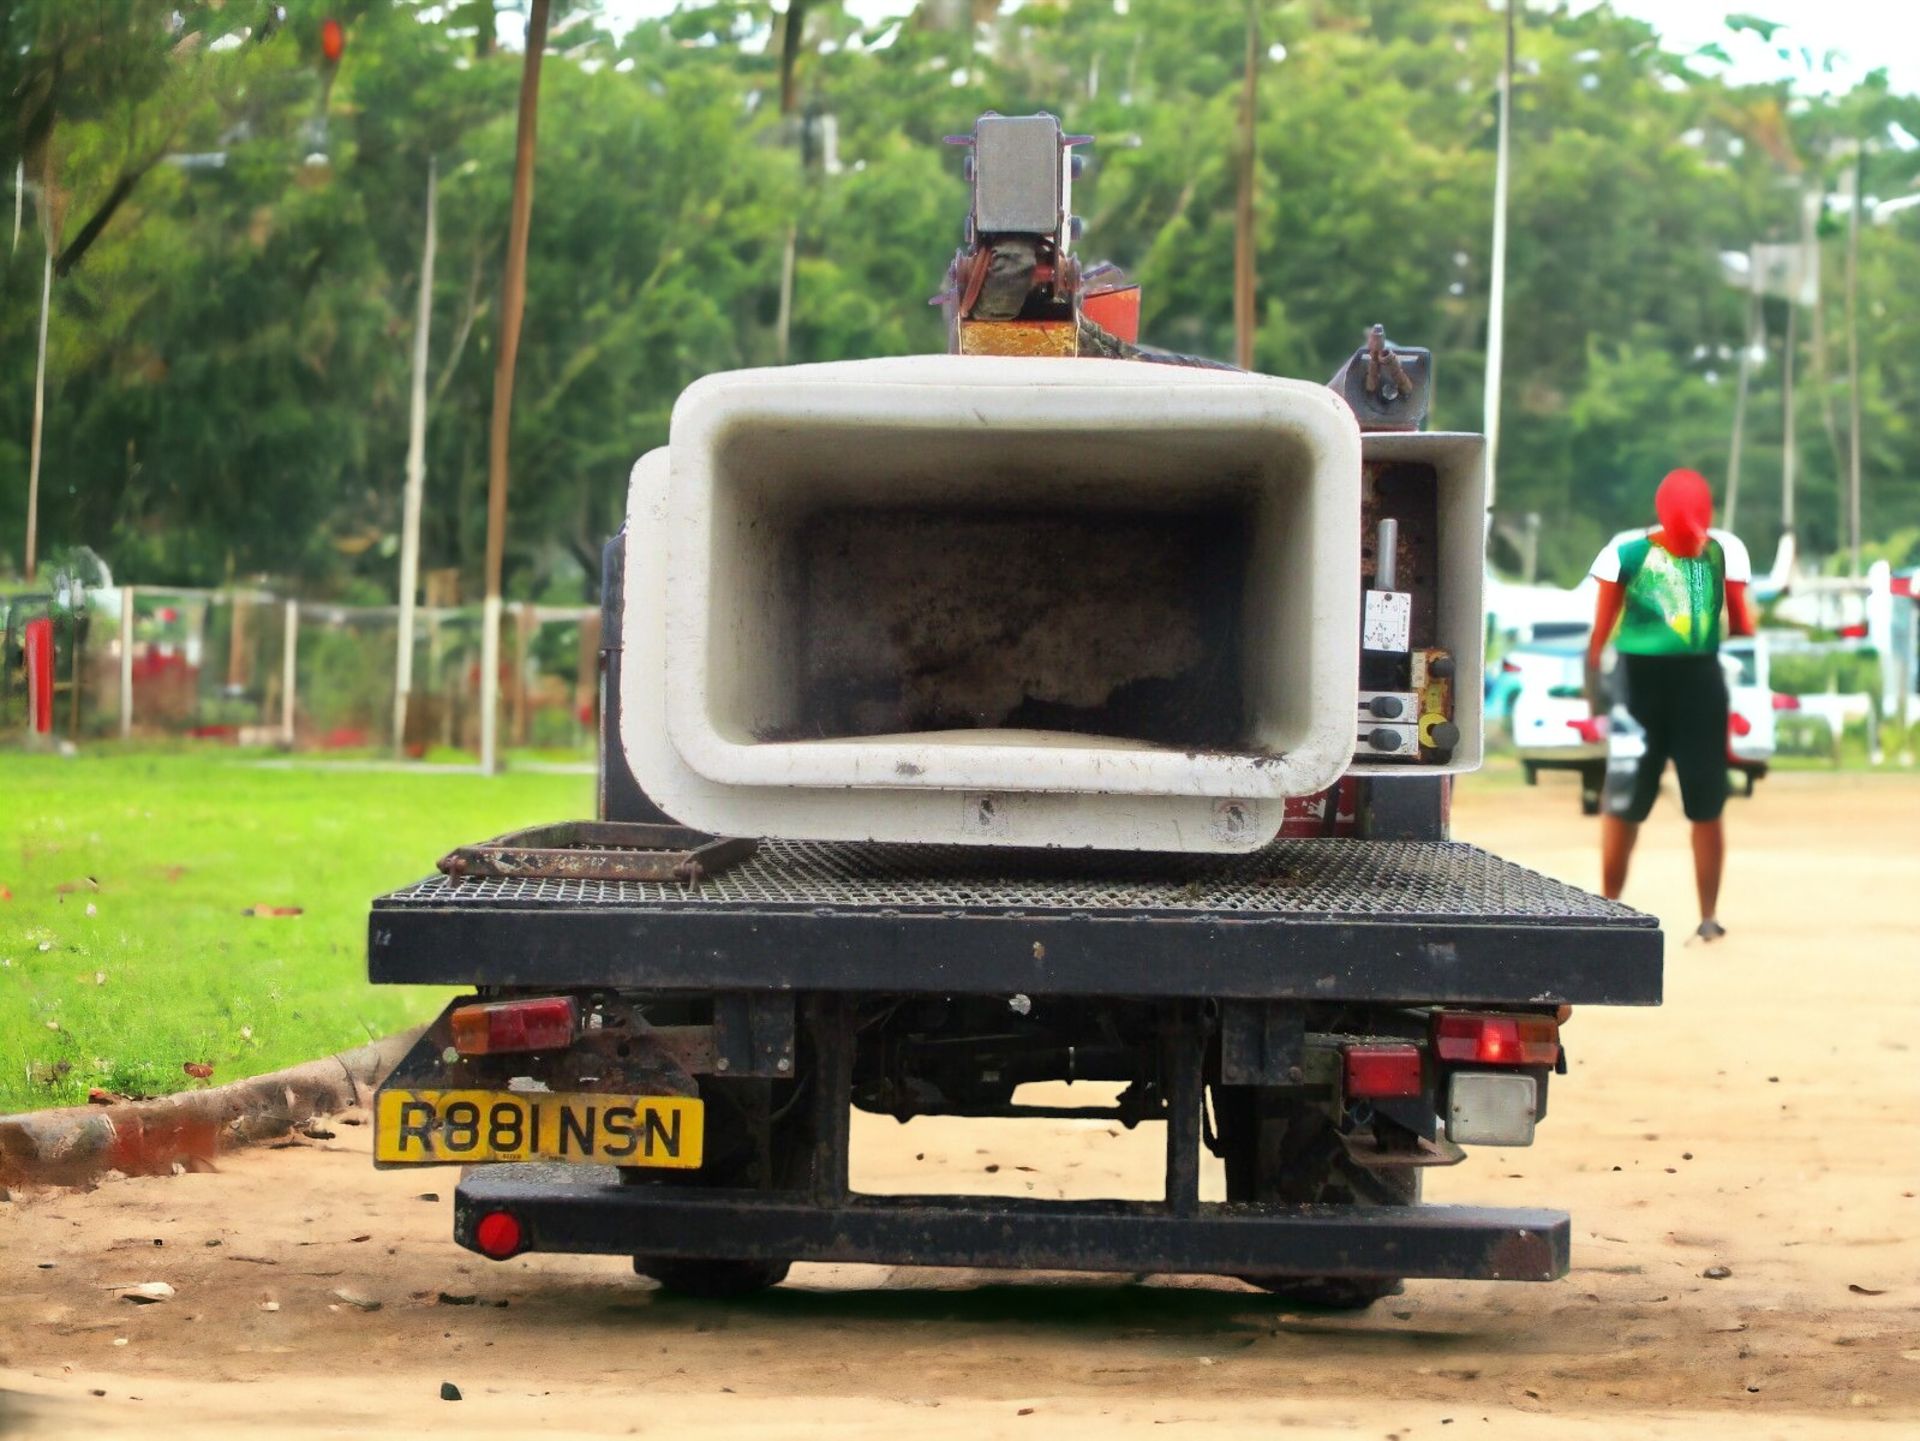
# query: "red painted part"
[498,1235]
[1376,1073]
[333,40]
[38,640]
[1306,816]
[1115,311]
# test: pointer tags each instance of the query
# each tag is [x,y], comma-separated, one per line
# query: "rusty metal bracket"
[1365,1149]
[753,1034]
[1388,386]
[600,851]
[1261,1044]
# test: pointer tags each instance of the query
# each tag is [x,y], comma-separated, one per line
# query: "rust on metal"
[1019,337]
[600,851]
[1365,1149]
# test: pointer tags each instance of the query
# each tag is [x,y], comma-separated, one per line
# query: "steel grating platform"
[1301,919]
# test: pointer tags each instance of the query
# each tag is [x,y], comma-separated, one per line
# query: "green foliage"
[1813,672]
[229,357]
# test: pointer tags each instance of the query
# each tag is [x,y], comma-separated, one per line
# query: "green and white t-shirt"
[1672,602]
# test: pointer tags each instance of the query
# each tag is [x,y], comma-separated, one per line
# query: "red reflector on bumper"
[546,1024]
[497,1235]
[1378,1073]
[1497,1040]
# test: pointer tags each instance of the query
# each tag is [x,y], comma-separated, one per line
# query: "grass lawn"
[124,950]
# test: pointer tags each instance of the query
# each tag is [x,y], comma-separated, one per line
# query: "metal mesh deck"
[1335,880]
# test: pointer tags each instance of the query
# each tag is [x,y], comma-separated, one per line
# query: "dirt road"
[1763,1121]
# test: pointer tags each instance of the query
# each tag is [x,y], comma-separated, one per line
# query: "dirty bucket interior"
[1142,589]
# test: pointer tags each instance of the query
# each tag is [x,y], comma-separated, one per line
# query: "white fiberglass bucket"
[988,600]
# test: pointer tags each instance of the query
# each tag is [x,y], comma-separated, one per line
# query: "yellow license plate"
[483,1127]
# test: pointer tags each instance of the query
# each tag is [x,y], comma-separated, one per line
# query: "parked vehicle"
[970,817]
[1552,726]
[1751,704]
[1538,648]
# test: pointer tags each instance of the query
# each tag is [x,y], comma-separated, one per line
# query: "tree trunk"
[513,297]
[1243,257]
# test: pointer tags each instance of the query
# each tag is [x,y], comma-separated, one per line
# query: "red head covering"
[1684,504]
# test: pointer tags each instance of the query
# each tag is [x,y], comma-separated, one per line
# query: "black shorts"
[1680,702]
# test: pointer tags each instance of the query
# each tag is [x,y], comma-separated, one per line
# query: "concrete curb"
[77,1145]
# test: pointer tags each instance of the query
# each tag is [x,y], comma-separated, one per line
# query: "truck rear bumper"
[577,1210]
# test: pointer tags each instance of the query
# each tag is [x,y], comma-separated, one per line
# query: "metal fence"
[256,668]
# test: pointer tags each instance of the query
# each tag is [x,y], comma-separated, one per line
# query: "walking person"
[1666,588]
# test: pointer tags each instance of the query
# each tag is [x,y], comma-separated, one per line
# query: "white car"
[1750,732]
[1550,722]
[1552,730]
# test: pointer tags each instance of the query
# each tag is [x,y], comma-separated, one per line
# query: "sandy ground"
[1763,1121]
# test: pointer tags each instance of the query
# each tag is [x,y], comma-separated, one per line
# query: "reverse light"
[498,1235]
[1496,1040]
[1378,1073]
[488,1029]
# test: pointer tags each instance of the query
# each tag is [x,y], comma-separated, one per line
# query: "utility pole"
[513,299]
[1748,344]
[36,442]
[1786,416]
[1497,286]
[792,32]
[416,475]
[1243,257]
[1853,369]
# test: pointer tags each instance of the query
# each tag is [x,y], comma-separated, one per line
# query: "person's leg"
[1709,861]
[1633,780]
[1700,758]
[1616,850]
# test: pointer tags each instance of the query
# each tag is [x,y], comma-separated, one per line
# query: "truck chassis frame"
[1229,953]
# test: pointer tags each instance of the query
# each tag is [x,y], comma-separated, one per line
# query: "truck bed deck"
[1321,920]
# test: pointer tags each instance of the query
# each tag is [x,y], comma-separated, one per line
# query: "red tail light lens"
[1509,667]
[1378,1073]
[1739,724]
[543,1025]
[1785,702]
[1497,1040]
[498,1235]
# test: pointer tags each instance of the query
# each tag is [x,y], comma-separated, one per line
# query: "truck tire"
[708,1279]
[745,1147]
[1292,1153]
[1531,772]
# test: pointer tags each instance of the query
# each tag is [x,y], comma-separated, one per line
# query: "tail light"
[1378,1073]
[1739,724]
[546,1024]
[1496,1040]
[498,1235]
[1509,667]
[1785,702]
